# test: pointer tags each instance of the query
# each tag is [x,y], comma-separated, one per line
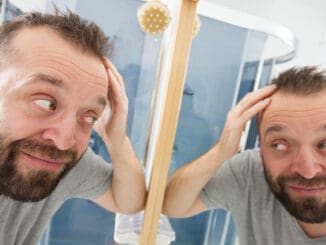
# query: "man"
[277,195]
[54,85]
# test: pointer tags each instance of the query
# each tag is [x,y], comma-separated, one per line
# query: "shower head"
[153,17]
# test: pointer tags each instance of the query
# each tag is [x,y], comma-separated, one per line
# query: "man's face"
[293,147]
[50,95]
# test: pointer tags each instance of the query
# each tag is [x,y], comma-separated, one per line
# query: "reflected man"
[56,86]
[277,194]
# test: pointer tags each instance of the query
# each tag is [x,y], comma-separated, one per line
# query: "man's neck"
[313,230]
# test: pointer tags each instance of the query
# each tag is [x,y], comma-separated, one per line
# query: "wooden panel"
[171,109]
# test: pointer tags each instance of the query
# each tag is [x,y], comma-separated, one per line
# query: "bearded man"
[277,194]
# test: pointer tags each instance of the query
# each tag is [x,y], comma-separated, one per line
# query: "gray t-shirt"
[240,187]
[23,223]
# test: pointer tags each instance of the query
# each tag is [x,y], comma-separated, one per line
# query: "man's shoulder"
[246,166]
[250,157]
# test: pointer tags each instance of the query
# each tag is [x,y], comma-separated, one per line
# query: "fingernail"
[266,100]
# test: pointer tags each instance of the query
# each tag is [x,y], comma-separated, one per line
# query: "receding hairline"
[45,28]
[304,80]
[285,92]
[76,30]
[10,53]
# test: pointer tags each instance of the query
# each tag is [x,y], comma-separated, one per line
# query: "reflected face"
[293,147]
[50,96]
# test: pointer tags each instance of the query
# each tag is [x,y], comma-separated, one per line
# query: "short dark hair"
[80,32]
[305,80]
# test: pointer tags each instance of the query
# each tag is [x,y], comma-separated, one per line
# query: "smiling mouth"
[42,162]
[303,190]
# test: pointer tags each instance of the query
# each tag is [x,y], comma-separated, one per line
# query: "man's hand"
[128,192]
[182,192]
[250,105]
[111,126]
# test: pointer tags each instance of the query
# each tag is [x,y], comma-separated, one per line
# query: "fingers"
[255,109]
[115,73]
[116,89]
[237,118]
[255,101]
[116,82]
[117,94]
[249,106]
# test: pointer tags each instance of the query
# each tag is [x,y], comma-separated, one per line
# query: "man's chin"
[29,198]
[32,186]
[31,191]
[306,209]
[31,170]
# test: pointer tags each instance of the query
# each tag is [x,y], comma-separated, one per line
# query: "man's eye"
[90,119]
[279,146]
[46,104]
[322,146]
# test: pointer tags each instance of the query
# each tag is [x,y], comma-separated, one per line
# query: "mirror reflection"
[47,121]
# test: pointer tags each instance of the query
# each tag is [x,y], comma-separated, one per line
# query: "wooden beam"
[171,109]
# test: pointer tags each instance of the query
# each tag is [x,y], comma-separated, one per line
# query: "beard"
[36,184]
[307,209]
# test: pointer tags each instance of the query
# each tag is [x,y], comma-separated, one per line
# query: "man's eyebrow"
[50,79]
[273,129]
[101,101]
[323,128]
[59,83]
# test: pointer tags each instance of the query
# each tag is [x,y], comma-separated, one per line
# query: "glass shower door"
[223,65]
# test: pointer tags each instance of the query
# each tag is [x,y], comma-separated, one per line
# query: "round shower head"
[153,17]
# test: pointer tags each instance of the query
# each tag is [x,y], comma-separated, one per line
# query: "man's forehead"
[287,108]
[36,36]
[41,43]
[276,99]
[292,102]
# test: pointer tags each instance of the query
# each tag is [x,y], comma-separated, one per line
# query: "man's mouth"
[307,191]
[41,161]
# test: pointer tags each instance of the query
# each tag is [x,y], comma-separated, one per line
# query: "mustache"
[50,151]
[300,180]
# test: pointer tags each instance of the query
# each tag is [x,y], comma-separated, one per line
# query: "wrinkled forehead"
[37,45]
[288,108]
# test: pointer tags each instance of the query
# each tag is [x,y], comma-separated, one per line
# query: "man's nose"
[62,132]
[306,163]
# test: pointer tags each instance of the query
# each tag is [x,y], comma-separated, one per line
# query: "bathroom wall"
[305,18]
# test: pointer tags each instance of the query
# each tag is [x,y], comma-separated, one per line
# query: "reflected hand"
[250,105]
[111,126]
